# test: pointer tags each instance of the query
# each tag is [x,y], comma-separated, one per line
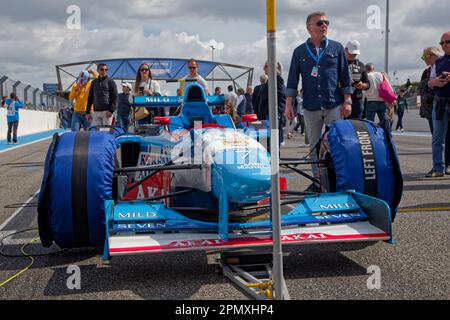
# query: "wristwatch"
[349,101]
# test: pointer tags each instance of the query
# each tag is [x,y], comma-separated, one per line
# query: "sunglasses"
[145,69]
[321,22]
[192,68]
[446,42]
[104,69]
[426,56]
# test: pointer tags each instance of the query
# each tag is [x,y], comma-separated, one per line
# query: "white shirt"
[199,79]
[240,98]
[153,85]
[233,98]
[375,78]
[433,74]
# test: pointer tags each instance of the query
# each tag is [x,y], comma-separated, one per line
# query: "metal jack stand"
[251,271]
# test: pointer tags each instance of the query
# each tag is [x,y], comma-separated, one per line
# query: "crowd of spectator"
[335,84]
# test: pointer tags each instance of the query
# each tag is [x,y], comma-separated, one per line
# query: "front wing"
[297,226]
[152,243]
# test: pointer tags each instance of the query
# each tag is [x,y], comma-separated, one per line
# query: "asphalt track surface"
[415,267]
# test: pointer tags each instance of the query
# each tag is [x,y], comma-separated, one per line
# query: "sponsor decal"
[339,216]
[220,242]
[368,155]
[249,241]
[197,243]
[234,143]
[160,68]
[141,226]
[253,166]
[303,236]
[158,155]
[136,215]
[162,100]
[157,185]
[347,205]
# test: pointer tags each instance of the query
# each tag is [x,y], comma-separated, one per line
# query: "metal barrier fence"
[413,101]
[32,97]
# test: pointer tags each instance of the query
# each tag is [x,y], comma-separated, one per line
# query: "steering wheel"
[111,128]
[207,125]
[204,125]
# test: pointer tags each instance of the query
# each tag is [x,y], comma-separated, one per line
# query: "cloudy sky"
[34,36]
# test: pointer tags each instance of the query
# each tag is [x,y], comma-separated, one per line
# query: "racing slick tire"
[361,156]
[78,179]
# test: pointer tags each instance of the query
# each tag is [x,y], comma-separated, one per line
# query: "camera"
[355,78]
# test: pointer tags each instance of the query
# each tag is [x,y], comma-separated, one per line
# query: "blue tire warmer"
[363,158]
[78,178]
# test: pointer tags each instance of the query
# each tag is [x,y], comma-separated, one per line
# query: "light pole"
[212,54]
[386,50]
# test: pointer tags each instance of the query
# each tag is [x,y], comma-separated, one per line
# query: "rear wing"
[173,101]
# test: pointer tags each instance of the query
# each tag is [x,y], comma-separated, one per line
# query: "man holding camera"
[440,82]
[103,95]
[13,104]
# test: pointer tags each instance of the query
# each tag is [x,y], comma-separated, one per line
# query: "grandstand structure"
[163,69]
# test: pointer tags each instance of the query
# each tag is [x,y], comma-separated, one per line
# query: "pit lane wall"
[30,121]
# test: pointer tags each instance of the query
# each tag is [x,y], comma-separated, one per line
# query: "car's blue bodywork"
[232,173]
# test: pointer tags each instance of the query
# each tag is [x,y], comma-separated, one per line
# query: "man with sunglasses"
[193,75]
[326,83]
[440,82]
[103,96]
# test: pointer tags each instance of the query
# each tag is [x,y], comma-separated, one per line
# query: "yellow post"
[182,83]
[271,16]
[277,270]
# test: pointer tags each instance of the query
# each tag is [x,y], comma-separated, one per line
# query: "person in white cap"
[79,95]
[124,107]
[359,77]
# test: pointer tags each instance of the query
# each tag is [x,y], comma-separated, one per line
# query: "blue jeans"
[357,109]
[440,129]
[447,141]
[124,122]
[12,127]
[447,145]
[376,107]
[400,120]
[78,120]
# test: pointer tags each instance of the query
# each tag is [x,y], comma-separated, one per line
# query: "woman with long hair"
[429,56]
[230,109]
[145,86]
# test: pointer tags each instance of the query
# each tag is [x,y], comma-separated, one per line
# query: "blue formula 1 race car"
[192,181]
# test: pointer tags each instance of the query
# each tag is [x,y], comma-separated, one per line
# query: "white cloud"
[34,38]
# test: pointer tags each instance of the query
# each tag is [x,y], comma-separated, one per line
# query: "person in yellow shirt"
[80,93]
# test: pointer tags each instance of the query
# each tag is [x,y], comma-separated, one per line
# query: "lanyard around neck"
[317,59]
